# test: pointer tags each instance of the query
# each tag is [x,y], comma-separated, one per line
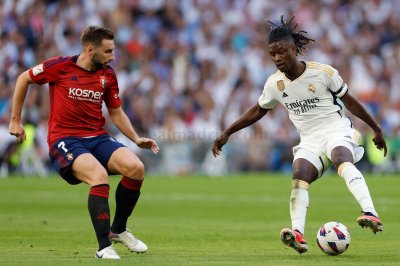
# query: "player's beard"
[97,63]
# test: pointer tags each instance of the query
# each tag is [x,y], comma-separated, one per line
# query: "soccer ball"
[333,238]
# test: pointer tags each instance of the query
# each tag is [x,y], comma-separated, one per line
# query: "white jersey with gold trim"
[312,100]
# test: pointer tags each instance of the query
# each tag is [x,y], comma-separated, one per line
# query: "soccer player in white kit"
[315,96]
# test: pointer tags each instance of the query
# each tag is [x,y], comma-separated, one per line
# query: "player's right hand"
[17,129]
[380,142]
[146,143]
[218,143]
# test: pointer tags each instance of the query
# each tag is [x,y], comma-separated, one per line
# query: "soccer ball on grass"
[333,238]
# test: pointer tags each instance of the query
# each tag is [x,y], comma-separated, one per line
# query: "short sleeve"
[48,71]
[112,99]
[267,99]
[336,84]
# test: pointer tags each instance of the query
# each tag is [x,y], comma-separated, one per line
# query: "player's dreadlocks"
[285,31]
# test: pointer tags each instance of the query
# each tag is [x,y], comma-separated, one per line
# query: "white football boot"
[107,253]
[129,240]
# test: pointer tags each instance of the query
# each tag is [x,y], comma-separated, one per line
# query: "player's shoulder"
[58,61]
[320,67]
[109,71]
[273,80]
[278,75]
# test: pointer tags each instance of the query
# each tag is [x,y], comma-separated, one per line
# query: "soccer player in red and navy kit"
[80,148]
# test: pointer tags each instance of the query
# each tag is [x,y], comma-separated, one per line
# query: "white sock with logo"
[299,201]
[358,187]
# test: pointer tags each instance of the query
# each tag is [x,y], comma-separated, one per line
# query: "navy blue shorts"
[64,151]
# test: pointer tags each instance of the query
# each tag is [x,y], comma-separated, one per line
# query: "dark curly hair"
[286,31]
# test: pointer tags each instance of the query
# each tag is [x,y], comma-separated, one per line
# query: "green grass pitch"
[195,221]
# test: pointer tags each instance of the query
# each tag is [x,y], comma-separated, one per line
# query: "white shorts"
[318,149]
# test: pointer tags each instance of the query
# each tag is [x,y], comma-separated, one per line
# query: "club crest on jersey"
[311,88]
[70,156]
[103,81]
[281,85]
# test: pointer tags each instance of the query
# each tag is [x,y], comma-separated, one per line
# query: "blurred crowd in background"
[187,69]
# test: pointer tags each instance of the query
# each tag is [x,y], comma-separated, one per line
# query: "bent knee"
[297,174]
[135,170]
[307,176]
[97,177]
[305,170]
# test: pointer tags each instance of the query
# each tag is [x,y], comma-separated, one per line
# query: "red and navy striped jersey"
[76,96]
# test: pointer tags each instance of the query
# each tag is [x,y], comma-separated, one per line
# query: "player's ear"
[90,50]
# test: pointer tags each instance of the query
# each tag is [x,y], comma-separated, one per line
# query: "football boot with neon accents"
[370,221]
[294,239]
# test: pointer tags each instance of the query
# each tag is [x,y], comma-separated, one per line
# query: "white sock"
[358,187]
[299,201]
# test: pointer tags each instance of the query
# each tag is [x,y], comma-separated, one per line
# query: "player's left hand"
[146,143]
[16,128]
[218,143]
[380,142]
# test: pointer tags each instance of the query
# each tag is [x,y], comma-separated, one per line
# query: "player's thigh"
[125,162]
[304,170]
[341,154]
[88,169]
[307,165]
[344,146]
[343,150]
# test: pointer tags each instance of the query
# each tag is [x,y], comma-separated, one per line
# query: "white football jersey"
[312,99]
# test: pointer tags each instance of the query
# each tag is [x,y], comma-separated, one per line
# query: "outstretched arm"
[356,108]
[252,115]
[16,128]
[121,121]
